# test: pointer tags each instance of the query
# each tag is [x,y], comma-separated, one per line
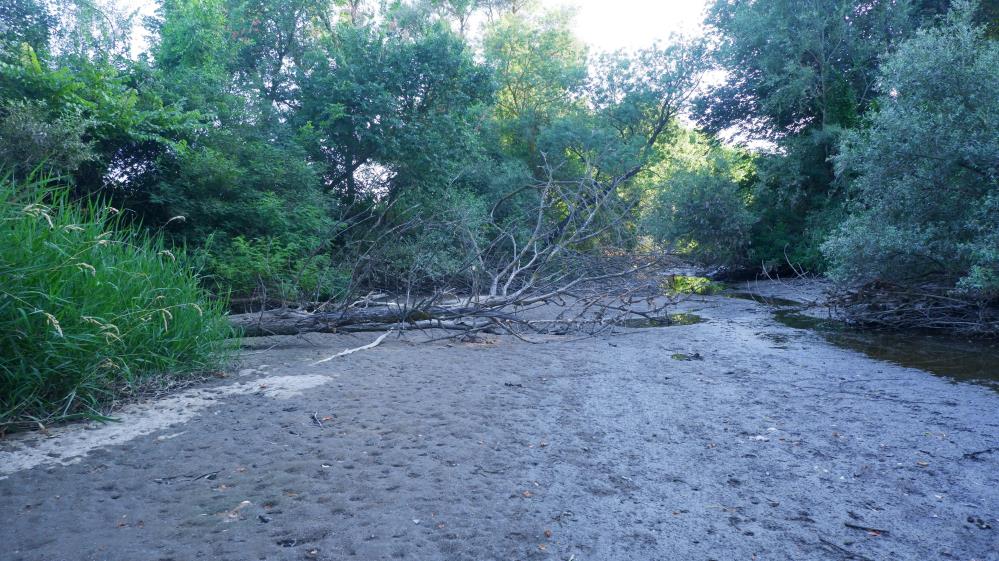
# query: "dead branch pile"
[555,269]
[928,307]
[586,304]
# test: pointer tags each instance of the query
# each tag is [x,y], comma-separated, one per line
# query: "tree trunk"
[294,322]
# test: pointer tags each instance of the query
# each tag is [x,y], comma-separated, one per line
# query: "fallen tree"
[562,263]
[294,321]
[569,312]
[553,255]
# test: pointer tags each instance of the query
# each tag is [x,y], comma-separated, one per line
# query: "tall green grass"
[90,308]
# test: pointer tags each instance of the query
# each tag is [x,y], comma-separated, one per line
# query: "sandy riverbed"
[770,444]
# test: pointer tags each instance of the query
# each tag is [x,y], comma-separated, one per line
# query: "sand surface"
[768,444]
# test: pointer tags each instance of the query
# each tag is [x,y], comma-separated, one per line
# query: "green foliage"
[924,174]
[240,173]
[90,309]
[236,183]
[798,203]
[702,214]
[25,22]
[275,270]
[697,202]
[632,105]
[798,64]
[94,103]
[387,111]
[540,69]
[799,73]
[30,138]
[680,284]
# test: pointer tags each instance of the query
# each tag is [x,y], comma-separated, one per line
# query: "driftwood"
[374,318]
[371,345]
[934,307]
[295,322]
[564,311]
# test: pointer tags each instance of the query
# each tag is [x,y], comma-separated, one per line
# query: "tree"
[385,112]
[541,72]
[25,21]
[239,175]
[32,138]
[799,73]
[702,214]
[924,175]
[695,200]
[795,65]
[98,100]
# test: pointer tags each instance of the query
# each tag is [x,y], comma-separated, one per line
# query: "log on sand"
[376,318]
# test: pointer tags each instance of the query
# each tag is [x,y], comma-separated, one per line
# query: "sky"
[609,25]
[605,25]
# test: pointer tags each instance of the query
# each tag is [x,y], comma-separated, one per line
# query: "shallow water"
[768,300]
[958,358]
[674,319]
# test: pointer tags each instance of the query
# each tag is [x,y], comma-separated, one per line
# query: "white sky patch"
[609,25]
[140,36]
[604,25]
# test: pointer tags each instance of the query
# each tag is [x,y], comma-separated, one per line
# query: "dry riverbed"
[738,438]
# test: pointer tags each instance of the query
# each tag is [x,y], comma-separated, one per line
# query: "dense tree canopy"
[281,140]
[924,173]
[799,74]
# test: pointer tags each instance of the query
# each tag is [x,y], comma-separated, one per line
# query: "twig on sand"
[371,345]
[974,455]
[209,475]
[865,528]
[846,553]
[169,479]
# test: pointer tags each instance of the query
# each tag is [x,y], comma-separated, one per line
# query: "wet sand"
[767,443]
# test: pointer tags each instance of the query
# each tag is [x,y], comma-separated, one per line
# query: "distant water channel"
[957,358]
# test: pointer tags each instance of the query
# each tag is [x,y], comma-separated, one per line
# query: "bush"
[924,174]
[797,203]
[30,138]
[275,269]
[90,310]
[702,213]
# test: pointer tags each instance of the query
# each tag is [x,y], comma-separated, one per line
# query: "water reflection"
[961,359]
[768,300]
[672,319]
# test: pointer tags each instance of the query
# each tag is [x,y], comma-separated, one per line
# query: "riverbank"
[731,438]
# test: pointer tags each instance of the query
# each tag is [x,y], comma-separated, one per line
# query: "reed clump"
[91,309]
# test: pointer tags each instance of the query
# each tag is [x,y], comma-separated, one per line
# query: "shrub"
[702,213]
[90,309]
[924,173]
[269,268]
[682,284]
[29,138]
